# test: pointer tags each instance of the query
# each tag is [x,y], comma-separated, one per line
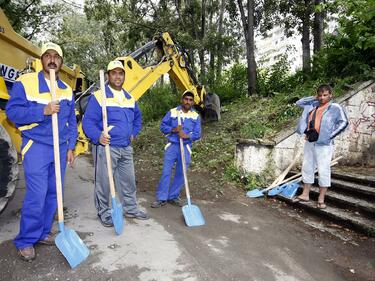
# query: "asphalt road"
[242,240]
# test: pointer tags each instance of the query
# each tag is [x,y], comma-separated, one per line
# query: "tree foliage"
[32,17]
[213,33]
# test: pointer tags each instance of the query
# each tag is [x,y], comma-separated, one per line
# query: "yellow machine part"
[20,55]
[13,132]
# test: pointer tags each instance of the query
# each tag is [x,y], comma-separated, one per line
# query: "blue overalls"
[191,126]
[30,94]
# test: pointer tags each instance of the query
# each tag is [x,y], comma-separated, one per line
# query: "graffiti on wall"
[365,123]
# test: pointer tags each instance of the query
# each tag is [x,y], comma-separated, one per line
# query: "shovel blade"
[72,247]
[255,193]
[193,215]
[117,218]
[290,190]
[278,189]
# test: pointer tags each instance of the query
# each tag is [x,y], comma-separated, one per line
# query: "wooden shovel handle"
[105,131]
[286,171]
[56,148]
[183,160]
[333,162]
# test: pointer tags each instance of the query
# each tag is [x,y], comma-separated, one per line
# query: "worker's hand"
[70,157]
[132,138]
[182,135]
[104,139]
[177,129]
[51,108]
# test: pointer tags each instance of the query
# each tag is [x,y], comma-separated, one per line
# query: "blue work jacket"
[190,121]
[334,120]
[29,95]
[124,118]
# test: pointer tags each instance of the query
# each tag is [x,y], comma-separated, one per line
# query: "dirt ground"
[243,239]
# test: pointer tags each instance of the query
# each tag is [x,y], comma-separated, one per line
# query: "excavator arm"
[160,56]
[172,60]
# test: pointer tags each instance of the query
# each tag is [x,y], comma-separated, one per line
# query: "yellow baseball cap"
[115,64]
[51,46]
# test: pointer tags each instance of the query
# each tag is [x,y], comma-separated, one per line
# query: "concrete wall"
[356,145]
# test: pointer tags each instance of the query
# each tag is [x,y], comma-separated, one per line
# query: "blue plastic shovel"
[290,190]
[116,211]
[67,241]
[275,186]
[192,214]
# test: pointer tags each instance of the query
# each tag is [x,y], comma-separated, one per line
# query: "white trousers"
[317,156]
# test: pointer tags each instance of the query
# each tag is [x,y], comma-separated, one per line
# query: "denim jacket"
[334,120]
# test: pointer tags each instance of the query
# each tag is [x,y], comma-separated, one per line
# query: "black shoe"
[106,223]
[140,215]
[158,203]
[176,202]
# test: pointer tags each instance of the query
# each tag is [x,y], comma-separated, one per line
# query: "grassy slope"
[213,155]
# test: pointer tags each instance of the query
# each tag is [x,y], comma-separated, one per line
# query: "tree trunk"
[220,44]
[306,58]
[202,34]
[248,26]
[243,18]
[318,28]
[251,64]
[211,70]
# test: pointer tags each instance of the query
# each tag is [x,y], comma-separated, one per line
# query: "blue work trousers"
[124,178]
[39,205]
[172,156]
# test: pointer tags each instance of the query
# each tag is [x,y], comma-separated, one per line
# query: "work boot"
[140,215]
[158,203]
[27,254]
[107,222]
[49,240]
[176,202]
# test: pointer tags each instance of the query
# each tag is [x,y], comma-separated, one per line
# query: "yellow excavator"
[19,56]
[143,68]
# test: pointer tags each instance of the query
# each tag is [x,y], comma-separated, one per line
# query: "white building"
[269,49]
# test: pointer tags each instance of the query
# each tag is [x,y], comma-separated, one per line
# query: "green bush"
[155,103]
[233,84]
[274,79]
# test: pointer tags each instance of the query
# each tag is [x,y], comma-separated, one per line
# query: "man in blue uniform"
[124,124]
[31,109]
[189,131]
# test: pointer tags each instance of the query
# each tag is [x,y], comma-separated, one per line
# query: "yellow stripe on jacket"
[30,82]
[116,101]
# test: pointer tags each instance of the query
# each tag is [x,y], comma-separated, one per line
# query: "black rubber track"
[8,168]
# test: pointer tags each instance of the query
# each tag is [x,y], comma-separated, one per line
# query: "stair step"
[346,201]
[355,188]
[363,179]
[345,217]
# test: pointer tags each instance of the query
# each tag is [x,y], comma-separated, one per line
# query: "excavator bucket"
[211,111]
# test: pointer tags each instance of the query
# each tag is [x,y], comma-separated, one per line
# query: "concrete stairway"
[350,201]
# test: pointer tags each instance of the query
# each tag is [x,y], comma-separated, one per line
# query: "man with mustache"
[124,124]
[188,131]
[30,108]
